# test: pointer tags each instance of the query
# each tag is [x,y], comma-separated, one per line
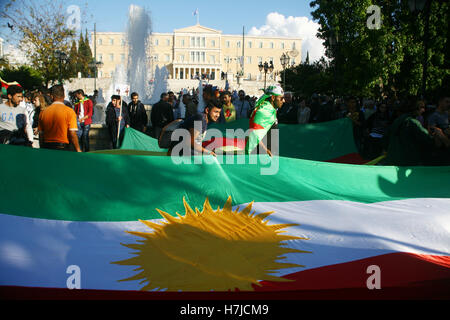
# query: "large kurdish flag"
[123,224]
[329,141]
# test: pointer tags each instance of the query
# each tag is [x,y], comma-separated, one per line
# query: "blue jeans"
[83,136]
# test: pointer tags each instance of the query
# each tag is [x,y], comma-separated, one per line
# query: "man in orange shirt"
[58,123]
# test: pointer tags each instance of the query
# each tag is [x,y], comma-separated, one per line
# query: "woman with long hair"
[39,105]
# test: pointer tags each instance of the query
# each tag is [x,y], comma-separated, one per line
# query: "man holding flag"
[117,119]
[264,118]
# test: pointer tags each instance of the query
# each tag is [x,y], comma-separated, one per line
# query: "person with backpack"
[194,133]
[161,115]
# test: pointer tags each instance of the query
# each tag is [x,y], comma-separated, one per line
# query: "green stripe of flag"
[96,187]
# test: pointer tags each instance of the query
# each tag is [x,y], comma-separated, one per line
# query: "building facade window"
[238,44]
[111,42]
[122,57]
[168,42]
[261,45]
[111,57]
[250,44]
[213,43]
[271,45]
[100,42]
[227,44]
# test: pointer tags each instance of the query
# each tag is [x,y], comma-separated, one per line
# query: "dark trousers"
[55,146]
[83,136]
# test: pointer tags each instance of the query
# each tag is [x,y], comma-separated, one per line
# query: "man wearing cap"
[264,118]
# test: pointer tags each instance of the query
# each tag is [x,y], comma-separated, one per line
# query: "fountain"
[135,77]
[138,37]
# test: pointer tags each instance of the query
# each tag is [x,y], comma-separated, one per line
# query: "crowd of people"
[406,132]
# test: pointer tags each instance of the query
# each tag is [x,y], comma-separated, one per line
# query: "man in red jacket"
[84,109]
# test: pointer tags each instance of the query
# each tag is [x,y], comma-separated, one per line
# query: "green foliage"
[41,31]
[389,60]
[28,77]
[306,79]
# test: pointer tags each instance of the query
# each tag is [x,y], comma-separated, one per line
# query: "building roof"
[197,29]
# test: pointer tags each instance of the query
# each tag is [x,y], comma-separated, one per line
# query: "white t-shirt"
[13,118]
[81,111]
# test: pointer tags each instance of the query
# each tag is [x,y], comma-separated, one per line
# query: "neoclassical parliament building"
[195,51]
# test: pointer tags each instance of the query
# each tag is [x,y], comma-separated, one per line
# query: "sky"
[262,17]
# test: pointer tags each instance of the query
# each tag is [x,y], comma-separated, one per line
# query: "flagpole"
[118,125]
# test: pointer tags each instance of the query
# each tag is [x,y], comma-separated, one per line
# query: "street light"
[61,56]
[228,60]
[267,68]
[284,63]
[95,64]
[333,40]
[418,6]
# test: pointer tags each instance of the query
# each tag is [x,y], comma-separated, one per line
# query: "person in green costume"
[264,117]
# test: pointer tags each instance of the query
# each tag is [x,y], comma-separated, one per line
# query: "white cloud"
[301,27]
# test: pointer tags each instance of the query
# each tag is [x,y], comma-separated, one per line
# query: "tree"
[85,57]
[89,56]
[42,31]
[389,59]
[26,76]
[73,60]
[307,79]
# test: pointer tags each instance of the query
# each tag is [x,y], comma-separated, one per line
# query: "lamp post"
[333,41]
[267,68]
[61,56]
[419,6]
[95,64]
[228,60]
[284,63]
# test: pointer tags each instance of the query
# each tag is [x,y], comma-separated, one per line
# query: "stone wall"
[104,85]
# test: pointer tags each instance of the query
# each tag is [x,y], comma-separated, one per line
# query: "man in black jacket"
[138,115]
[117,113]
[162,115]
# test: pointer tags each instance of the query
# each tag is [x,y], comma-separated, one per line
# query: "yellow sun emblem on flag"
[219,250]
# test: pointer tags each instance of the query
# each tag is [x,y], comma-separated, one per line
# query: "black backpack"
[165,138]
